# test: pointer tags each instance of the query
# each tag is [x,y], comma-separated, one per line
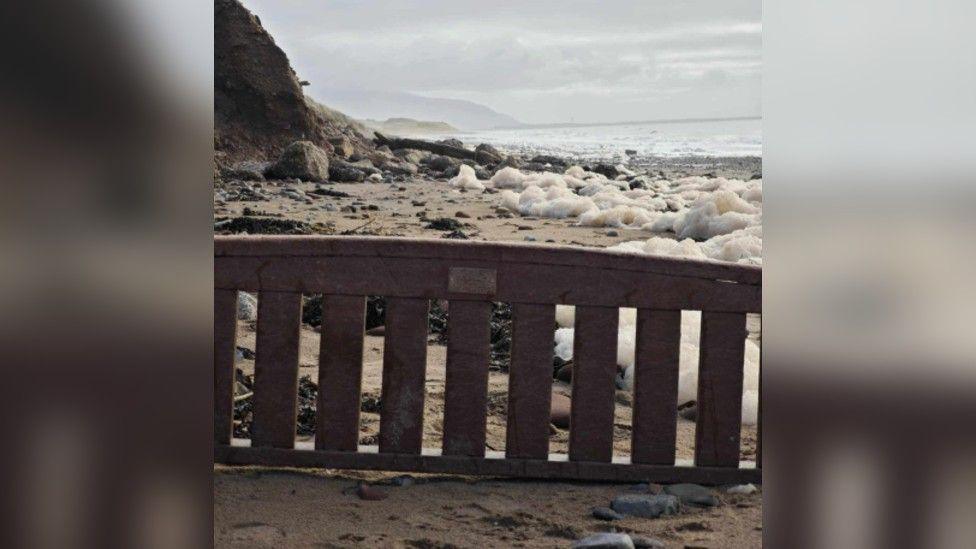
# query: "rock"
[612,233]
[565,373]
[376,178]
[481,173]
[411,155]
[637,183]
[247,306]
[605,513]
[607,170]
[342,146]
[345,172]
[462,215]
[486,154]
[397,167]
[302,160]
[559,410]
[379,331]
[742,489]
[444,224]
[244,171]
[510,162]
[549,159]
[645,505]
[647,543]
[605,541]
[441,163]
[452,142]
[630,152]
[689,412]
[371,493]
[403,481]
[692,494]
[534,167]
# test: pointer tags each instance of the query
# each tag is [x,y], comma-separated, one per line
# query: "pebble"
[744,489]
[462,215]
[647,543]
[605,513]
[605,541]
[371,493]
[247,306]
[530,239]
[613,233]
[646,506]
[403,481]
[559,411]
[692,494]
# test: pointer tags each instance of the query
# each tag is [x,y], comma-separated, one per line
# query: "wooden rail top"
[451,269]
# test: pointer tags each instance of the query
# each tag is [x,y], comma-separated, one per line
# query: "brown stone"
[559,410]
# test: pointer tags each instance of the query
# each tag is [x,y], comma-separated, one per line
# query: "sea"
[706,138]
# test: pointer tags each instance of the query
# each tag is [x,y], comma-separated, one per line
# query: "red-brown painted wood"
[495,464]
[275,397]
[594,369]
[404,372]
[225,348]
[491,252]
[530,381]
[340,372]
[720,373]
[656,386]
[466,393]
[516,282]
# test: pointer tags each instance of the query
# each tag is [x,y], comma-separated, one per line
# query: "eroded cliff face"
[259,105]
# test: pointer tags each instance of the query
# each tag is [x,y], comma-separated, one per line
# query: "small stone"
[530,239]
[247,306]
[692,494]
[605,541]
[647,543]
[371,493]
[743,489]
[403,481]
[605,513]
[463,215]
[646,506]
[613,233]
[559,410]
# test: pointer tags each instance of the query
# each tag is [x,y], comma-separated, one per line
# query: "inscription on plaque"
[465,280]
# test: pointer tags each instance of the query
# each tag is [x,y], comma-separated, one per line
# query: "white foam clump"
[466,179]
[688,358]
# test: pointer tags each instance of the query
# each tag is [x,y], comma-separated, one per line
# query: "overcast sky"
[539,61]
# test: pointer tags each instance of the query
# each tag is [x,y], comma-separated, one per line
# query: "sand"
[260,507]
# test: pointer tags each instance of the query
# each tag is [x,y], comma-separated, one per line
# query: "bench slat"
[275,397]
[530,381]
[340,372]
[466,394]
[594,369]
[720,373]
[225,348]
[656,386]
[404,372]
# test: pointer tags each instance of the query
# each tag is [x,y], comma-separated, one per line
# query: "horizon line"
[625,123]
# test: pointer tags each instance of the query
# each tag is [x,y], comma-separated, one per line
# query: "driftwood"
[419,144]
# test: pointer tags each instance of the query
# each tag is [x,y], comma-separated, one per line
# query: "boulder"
[411,155]
[244,171]
[646,505]
[345,172]
[486,154]
[396,167]
[342,146]
[441,163]
[302,160]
